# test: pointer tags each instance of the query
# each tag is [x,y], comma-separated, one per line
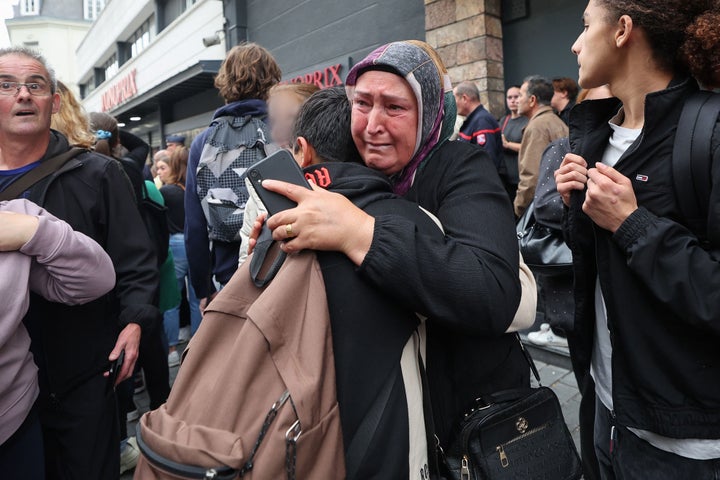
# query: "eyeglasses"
[34,88]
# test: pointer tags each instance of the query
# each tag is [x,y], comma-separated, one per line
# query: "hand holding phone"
[279,166]
[115,367]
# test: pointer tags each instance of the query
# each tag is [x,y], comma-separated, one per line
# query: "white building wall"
[178,47]
[56,40]
[116,22]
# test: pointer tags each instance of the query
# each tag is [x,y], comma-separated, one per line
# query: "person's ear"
[624,30]
[305,153]
[56,103]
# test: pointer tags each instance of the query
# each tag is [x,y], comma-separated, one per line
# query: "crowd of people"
[106,246]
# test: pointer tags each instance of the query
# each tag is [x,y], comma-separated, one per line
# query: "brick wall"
[468,36]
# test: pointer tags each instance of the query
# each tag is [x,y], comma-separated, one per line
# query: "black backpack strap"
[692,156]
[46,168]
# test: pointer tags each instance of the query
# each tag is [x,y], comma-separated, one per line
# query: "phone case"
[279,166]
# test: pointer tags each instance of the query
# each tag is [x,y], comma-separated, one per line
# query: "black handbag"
[514,435]
[543,248]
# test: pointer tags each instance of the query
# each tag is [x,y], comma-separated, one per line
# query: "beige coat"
[543,128]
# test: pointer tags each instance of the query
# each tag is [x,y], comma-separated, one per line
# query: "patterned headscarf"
[422,68]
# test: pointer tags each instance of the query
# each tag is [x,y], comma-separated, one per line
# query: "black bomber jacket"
[71,343]
[661,287]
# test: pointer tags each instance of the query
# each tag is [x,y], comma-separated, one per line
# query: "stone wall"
[468,36]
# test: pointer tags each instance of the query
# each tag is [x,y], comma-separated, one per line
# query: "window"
[92,8]
[29,7]
[141,38]
[111,67]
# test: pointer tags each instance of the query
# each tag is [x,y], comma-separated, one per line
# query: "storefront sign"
[327,77]
[118,93]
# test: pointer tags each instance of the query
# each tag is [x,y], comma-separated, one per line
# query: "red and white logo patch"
[481,139]
[641,178]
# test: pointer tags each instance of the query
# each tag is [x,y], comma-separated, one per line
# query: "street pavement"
[560,379]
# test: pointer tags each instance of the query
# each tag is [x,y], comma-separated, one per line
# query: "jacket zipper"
[465,469]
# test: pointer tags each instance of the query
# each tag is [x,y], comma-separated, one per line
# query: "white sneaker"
[546,337]
[173,359]
[184,334]
[129,456]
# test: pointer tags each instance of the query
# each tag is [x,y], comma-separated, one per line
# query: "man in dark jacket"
[73,346]
[480,127]
[244,97]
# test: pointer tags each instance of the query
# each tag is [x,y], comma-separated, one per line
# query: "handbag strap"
[515,393]
[529,359]
[507,119]
[435,451]
[30,178]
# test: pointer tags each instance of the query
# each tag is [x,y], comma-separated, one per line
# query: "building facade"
[151,63]
[55,28]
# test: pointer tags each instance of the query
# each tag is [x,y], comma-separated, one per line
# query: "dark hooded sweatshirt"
[369,327]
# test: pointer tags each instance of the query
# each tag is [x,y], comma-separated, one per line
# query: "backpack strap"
[692,157]
[46,168]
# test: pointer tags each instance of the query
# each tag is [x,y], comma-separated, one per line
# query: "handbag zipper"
[504,461]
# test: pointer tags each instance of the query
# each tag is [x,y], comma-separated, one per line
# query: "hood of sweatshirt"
[360,184]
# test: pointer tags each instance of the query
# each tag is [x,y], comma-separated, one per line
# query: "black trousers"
[586,415]
[153,360]
[81,433]
[21,456]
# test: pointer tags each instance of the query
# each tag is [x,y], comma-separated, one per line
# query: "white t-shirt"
[601,366]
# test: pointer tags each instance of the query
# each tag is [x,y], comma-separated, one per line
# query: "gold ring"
[289,230]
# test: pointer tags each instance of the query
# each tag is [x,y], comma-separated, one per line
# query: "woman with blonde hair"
[71,119]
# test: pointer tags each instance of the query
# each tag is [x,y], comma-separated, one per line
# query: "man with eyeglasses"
[74,346]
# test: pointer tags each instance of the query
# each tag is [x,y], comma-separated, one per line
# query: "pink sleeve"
[68,266]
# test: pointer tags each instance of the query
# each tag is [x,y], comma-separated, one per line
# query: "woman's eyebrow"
[384,96]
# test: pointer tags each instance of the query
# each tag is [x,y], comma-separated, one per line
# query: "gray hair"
[470,89]
[541,87]
[35,55]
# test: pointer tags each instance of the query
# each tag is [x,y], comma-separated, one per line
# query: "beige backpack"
[255,394]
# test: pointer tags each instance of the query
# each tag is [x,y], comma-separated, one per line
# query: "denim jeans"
[171,318]
[627,457]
